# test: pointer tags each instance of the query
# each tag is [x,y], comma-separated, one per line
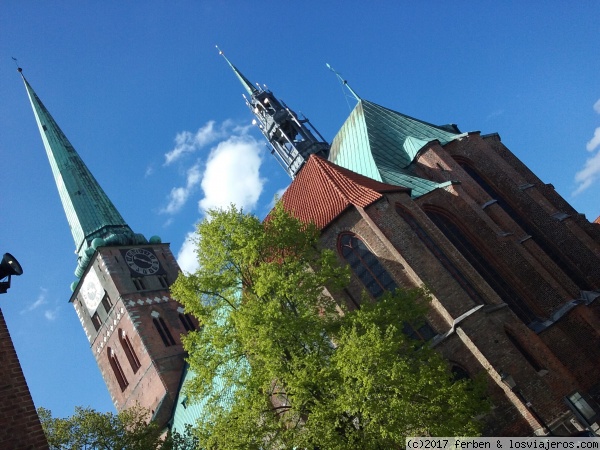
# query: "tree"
[88,429]
[280,364]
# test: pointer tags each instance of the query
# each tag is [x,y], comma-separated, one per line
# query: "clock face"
[142,261]
[92,292]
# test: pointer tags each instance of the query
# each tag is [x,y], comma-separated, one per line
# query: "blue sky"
[158,117]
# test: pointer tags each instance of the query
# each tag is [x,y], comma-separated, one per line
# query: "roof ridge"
[323,190]
[329,174]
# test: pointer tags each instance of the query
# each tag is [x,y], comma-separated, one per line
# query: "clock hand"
[142,258]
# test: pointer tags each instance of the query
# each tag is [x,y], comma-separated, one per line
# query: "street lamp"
[8,266]
[510,382]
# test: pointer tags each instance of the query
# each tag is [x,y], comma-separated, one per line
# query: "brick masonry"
[20,427]
[538,245]
[133,310]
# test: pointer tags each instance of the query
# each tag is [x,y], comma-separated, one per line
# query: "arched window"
[365,265]
[539,238]
[117,370]
[458,373]
[487,271]
[187,322]
[376,279]
[440,255]
[129,351]
[163,331]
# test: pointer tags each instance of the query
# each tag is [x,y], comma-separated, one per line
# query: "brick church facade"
[501,303]
[513,270]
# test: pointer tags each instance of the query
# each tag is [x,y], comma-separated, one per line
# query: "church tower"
[122,294]
[292,139]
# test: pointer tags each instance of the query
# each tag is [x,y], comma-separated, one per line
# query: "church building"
[513,269]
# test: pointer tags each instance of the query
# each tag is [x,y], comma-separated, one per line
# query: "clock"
[142,261]
[92,292]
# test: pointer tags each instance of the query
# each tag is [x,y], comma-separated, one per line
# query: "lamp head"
[508,380]
[8,266]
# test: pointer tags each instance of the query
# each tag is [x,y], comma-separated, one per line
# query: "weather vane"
[16,64]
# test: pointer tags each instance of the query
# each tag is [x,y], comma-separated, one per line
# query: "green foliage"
[88,429]
[281,365]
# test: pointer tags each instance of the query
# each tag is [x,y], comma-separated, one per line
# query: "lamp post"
[8,266]
[510,382]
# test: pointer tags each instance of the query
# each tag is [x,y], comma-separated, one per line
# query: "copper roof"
[382,144]
[323,190]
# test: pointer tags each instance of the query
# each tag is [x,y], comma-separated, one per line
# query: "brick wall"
[494,340]
[20,426]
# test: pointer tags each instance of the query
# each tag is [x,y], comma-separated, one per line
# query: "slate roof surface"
[323,190]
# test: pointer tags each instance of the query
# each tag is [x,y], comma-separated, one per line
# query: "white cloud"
[41,300]
[186,257]
[591,169]
[586,176]
[179,195]
[188,142]
[595,141]
[51,314]
[494,114]
[277,196]
[232,174]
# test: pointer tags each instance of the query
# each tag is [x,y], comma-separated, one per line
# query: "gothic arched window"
[440,255]
[377,280]
[129,351]
[365,265]
[187,322]
[484,267]
[163,331]
[539,238]
[117,369]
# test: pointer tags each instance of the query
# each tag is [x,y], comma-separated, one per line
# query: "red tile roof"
[323,190]
[597,220]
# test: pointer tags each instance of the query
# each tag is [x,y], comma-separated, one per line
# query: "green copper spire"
[92,217]
[245,82]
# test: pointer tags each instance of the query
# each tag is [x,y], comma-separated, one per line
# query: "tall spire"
[92,217]
[292,139]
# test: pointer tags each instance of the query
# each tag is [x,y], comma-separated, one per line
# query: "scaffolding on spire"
[292,139]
